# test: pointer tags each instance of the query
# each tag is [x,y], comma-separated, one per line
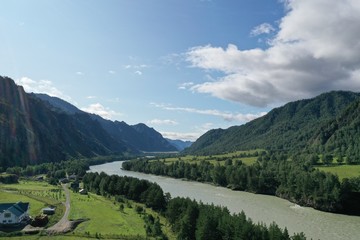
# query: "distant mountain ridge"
[139,136]
[296,126]
[180,144]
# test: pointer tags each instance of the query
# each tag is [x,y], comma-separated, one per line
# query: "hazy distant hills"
[180,144]
[329,122]
[36,128]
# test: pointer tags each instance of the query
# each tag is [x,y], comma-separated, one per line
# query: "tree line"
[273,174]
[188,219]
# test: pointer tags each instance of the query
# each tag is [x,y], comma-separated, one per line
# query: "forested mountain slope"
[140,136]
[291,127]
[341,135]
[31,132]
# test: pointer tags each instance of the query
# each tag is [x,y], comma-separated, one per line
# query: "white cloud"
[80,73]
[138,72]
[41,86]
[227,116]
[189,136]
[264,28]
[112,72]
[140,66]
[192,136]
[91,97]
[316,49]
[186,85]
[162,122]
[102,111]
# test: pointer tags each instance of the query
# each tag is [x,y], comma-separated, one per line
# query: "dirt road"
[64,225]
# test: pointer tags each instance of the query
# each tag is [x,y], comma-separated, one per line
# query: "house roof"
[17,209]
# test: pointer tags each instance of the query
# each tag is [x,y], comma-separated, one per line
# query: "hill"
[295,126]
[340,136]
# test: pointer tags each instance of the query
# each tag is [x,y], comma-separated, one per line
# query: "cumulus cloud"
[264,28]
[227,116]
[315,50]
[100,110]
[162,122]
[41,86]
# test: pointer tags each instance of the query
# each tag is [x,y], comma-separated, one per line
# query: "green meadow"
[104,217]
[216,159]
[343,171]
[38,194]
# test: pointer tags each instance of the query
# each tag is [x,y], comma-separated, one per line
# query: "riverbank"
[260,208]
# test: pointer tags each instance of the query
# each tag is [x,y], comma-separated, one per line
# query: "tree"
[121,207]
[327,159]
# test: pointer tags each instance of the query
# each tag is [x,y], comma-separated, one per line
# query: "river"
[260,208]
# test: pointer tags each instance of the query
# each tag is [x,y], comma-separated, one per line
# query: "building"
[14,213]
[48,211]
[83,191]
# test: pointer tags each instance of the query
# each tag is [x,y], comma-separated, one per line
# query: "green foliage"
[272,174]
[320,124]
[191,220]
[132,188]
[8,178]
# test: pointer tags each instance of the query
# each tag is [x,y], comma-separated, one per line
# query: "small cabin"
[48,211]
[14,213]
[83,191]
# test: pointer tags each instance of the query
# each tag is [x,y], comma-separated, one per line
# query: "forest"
[188,219]
[271,174]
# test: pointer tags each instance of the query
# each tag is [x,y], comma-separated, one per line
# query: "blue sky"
[181,66]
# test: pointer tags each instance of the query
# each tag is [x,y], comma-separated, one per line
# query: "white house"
[13,213]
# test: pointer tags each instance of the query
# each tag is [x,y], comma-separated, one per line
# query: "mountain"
[31,132]
[295,126]
[58,104]
[340,136]
[179,144]
[140,136]
[152,138]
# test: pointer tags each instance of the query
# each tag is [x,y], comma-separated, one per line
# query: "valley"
[260,208]
[306,152]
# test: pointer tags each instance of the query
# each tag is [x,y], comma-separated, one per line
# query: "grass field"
[38,194]
[214,159]
[105,218]
[343,171]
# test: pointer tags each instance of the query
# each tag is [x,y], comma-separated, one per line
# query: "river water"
[260,208]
